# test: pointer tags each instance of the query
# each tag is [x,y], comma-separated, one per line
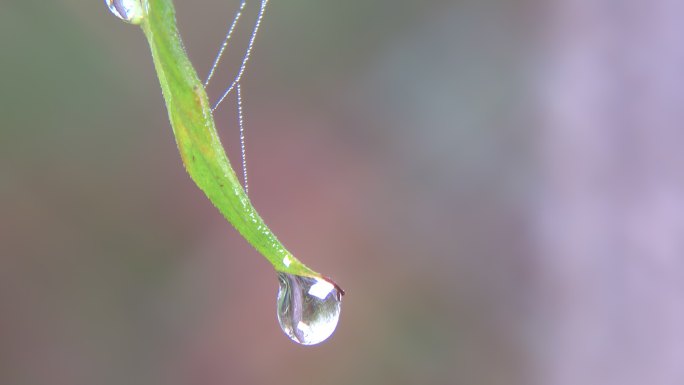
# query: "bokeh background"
[498,185]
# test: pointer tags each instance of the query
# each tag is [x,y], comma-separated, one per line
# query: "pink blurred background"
[498,185]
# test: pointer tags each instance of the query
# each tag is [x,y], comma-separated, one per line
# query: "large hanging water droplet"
[308,308]
[130,11]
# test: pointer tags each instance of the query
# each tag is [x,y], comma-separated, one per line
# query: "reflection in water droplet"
[130,11]
[308,308]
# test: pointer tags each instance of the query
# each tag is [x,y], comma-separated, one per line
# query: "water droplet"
[130,11]
[308,308]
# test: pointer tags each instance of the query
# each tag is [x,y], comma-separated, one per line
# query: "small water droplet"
[308,308]
[130,11]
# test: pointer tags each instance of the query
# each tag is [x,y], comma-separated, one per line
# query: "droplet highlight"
[308,308]
[130,11]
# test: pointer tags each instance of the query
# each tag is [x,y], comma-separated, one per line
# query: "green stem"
[198,142]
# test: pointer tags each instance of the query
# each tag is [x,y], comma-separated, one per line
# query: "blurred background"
[498,185]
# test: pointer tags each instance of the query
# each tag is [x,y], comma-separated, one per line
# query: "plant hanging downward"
[308,304]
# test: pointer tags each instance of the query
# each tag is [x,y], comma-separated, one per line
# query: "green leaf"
[198,142]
